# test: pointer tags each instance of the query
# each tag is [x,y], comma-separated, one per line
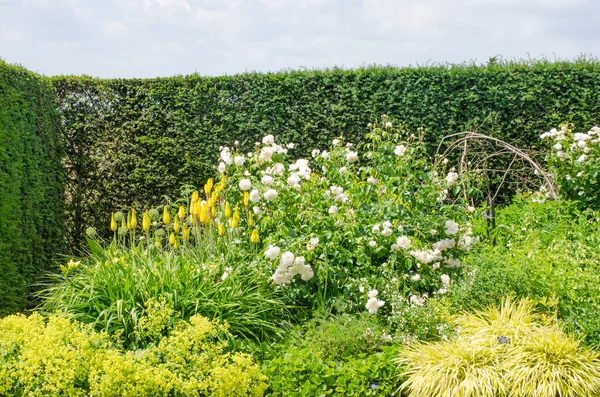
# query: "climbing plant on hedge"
[135,140]
[31,183]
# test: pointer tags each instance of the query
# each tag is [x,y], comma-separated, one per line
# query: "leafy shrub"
[508,351]
[421,321]
[574,159]
[546,251]
[31,184]
[344,355]
[342,336]
[62,357]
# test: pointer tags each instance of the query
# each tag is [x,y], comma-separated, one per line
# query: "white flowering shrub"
[574,160]
[349,221]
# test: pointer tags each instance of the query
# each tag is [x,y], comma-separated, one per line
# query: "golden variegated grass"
[453,368]
[513,320]
[550,364]
[507,351]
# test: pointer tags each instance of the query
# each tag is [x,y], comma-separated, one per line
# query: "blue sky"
[149,38]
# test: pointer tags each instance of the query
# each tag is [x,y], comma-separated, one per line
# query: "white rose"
[451,228]
[270,195]
[400,150]
[267,180]
[255,196]
[239,160]
[451,178]
[373,304]
[403,242]
[268,140]
[287,259]
[245,184]
[351,156]
[272,252]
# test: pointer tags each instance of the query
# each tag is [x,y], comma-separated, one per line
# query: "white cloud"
[115,28]
[12,36]
[145,38]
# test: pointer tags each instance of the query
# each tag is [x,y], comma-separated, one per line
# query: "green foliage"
[117,289]
[427,321]
[31,184]
[133,141]
[65,358]
[342,356]
[511,351]
[546,251]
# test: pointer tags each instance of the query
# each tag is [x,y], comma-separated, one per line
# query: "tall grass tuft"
[506,351]
[550,364]
[114,286]
[453,368]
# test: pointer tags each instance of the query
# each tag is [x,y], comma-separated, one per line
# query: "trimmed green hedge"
[134,141]
[31,183]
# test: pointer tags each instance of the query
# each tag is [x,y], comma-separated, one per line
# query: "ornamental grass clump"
[453,368]
[550,364]
[510,351]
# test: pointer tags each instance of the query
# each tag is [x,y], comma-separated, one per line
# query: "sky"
[150,38]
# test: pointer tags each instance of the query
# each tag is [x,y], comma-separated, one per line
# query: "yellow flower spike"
[221,229]
[255,237]
[250,220]
[234,223]
[133,219]
[176,227]
[227,210]
[172,239]
[181,213]
[223,179]
[129,220]
[125,223]
[63,268]
[194,196]
[204,215]
[113,222]
[146,221]
[166,216]
[186,233]
[208,187]
[246,198]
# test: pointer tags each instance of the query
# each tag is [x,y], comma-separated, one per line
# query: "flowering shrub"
[348,221]
[574,160]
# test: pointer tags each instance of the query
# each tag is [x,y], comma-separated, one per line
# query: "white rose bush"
[574,160]
[377,216]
